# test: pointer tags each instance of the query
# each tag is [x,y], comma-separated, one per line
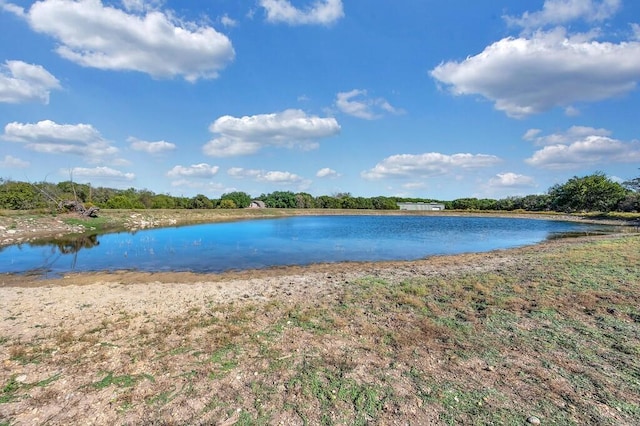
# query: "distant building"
[257,204]
[421,206]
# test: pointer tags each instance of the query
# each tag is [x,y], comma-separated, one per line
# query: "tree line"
[595,192]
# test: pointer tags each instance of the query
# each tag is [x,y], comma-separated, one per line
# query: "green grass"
[121,381]
[12,390]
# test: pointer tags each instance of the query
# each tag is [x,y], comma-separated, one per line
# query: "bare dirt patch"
[550,331]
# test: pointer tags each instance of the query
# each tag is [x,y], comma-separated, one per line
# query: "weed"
[225,360]
[123,381]
[10,390]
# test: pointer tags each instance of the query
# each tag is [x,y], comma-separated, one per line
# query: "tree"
[200,201]
[227,203]
[465,204]
[536,203]
[384,203]
[305,201]
[69,190]
[594,192]
[163,201]
[328,202]
[123,201]
[631,203]
[19,196]
[280,200]
[240,199]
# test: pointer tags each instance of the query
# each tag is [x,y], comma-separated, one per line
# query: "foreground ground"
[550,331]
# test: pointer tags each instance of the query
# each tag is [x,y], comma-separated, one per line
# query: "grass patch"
[122,381]
[15,389]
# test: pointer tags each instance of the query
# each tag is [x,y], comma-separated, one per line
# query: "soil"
[33,308]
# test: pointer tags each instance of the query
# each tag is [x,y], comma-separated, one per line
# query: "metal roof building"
[421,206]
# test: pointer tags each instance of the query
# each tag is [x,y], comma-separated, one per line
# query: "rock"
[533,420]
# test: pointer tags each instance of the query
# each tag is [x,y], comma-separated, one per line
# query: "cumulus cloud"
[141,5]
[557,12]
[511,180]
[139,38]
[321,12]
[11,162]
[327,172]
[356,103]
[247,135]
[525,76]
[49,137]
[21,82]
[573,134]
[151,147]
[202,170]
[587,151]
[105,173]
[273,176]
[228,22]
[428,165]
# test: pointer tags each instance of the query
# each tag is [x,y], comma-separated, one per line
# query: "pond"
[261,243]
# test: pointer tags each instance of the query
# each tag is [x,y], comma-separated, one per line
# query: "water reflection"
[283,241]
[72,244]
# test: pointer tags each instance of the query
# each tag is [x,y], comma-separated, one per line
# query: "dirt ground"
[62,315]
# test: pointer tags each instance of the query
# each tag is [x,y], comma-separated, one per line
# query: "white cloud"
[327,172]
[49,137]
[274,176]
[511,180]
[525,76]
[247,135]
[366,108]
[585,151]
[636,31]
[141,5]
[228,22]
[556,12]
[202,170]
[21,82]
[574,134]
[428,165]
[321,12]
[105,173]
[151,147]
[11,162]
[99,36]
[571,111]
[241,173]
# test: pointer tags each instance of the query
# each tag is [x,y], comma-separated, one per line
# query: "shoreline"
[18,227]
[436,264]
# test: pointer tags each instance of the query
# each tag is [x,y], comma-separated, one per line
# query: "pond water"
[263,243]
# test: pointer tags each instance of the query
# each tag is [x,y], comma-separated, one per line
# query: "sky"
[412,98]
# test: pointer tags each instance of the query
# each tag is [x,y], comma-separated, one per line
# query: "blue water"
[286,241]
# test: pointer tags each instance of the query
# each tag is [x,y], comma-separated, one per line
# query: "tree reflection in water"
[68,245]
[74,245]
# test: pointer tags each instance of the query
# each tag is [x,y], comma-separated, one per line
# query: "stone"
[533,420]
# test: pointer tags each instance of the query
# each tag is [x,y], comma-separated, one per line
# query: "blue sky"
[412,98]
